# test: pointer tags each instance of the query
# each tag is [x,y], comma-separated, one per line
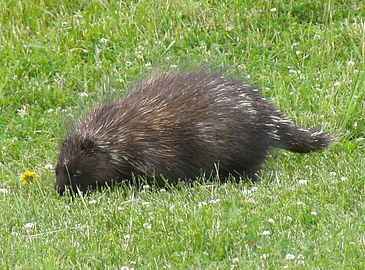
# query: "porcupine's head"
[82,165]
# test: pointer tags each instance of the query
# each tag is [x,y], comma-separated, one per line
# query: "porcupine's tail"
[290,137]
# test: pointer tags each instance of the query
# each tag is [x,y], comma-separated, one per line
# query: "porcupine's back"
[179,125]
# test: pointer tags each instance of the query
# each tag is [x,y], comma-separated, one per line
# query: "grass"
[308,57]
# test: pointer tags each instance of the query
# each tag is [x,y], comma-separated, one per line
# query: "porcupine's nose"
[60,188]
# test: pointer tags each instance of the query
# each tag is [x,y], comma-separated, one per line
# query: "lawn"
[58,58]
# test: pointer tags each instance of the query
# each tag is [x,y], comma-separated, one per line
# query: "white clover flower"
[22,111]
[49,167]
[298,52]
[247,192]
[303,182]
[266,233]
[264,256]
[202,204]
[147,226]
[337,83]
[300,259]
[293,71]
[84,94]
[214,201]
[288,218]
[241,66]
[350,63]
[316,36]
[289,257]
[4,190]
[273,10]
[314,213]
[103,40]
[270,220]
[139,54]
[333,174]
[235,260]
[29,226]
[127,236]
[300,203]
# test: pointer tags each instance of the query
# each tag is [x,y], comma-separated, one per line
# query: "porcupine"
[176,126]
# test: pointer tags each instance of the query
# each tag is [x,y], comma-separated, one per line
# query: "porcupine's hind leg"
[246,168]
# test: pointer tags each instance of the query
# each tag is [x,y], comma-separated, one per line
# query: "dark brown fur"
[177,126]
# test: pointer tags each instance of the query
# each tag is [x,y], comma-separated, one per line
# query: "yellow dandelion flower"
[28,177]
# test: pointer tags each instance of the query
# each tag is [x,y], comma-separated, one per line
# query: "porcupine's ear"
[88,145]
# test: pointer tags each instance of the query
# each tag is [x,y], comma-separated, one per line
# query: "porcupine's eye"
[77,173]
